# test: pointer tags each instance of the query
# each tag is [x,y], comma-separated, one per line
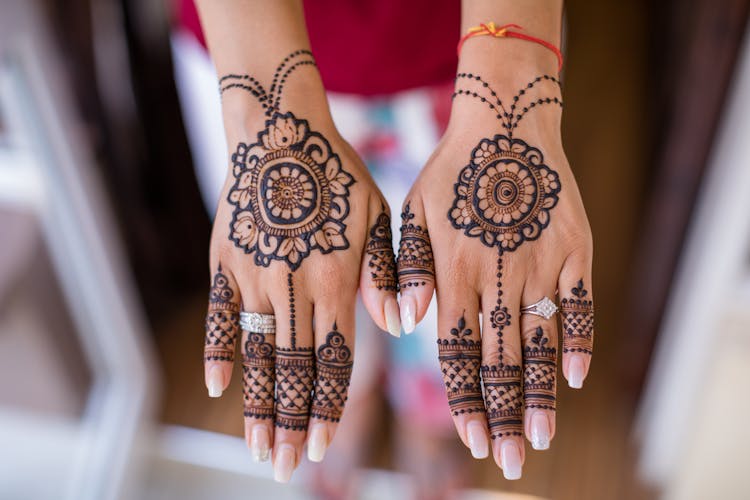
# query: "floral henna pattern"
[334,367]
[578,320]
[540,371]
[222,320]
[460,357]
[295,375]
[416,266]
[291,195]
[505,193]
[382,262]
[258,359]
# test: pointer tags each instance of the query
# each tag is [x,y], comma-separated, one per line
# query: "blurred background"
[110,153]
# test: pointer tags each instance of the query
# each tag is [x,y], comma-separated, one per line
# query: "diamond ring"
[257,322]
[544,308]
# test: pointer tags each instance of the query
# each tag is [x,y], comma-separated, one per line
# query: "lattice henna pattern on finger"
[460,357]
[222,320]
[540,372]
[416,265]
[295,375]
[578,320]
[382,262]
[258,360]
[504,400]
[334,367]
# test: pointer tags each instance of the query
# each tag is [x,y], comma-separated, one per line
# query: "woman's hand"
[299,228]
[500,208]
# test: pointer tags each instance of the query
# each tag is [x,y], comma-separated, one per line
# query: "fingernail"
[392,319]
[408,313]
[260,445]
[576,368]
[510,460]
[477,437]
[215,382]
[317,443]
[283,464]
[539,431]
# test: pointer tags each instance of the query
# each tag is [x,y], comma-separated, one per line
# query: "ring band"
[544,308]
[257,322]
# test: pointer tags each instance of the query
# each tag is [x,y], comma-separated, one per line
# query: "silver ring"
[257,322]
[544,308]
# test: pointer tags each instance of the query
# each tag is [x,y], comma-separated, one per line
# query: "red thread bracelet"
[490,29]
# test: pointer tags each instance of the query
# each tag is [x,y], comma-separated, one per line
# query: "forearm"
[252,37]
[539,18]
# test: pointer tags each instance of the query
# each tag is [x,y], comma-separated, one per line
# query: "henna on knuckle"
[334,372]
[222,320]
[540,371]
[460,357]
[381,260]
[416,265]
[258,361]
[578,320]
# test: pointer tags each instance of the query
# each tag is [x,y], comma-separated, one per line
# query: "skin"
[239,35]
[325,285]
[465,268]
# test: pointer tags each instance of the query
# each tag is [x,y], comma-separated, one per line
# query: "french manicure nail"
[510,460]
[283,465]
[576,369]
[476,434]
[392,319]
[259,443]
[408,313]
[317,443]
[215,382]
[540,431]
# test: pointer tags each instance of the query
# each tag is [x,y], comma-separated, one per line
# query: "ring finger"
[539,338]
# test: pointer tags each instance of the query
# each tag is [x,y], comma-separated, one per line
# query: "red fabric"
[372,47]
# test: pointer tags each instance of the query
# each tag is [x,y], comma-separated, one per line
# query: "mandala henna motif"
[258,360]
[578,321]
[503,196]
[540,372]
[382,263]
[295,375]
[460,357]
[222,320]
[334,367]
[416,266]
[291,195]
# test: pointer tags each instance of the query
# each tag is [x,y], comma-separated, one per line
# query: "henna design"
[578,321]
[295,373]
[502,382]
[290,191]
[504,196]
[504,399]
[258,359]
[334,367]
[292,312]
[382,262]
[222,320]
[540,372]
[416,266]
[460,357]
